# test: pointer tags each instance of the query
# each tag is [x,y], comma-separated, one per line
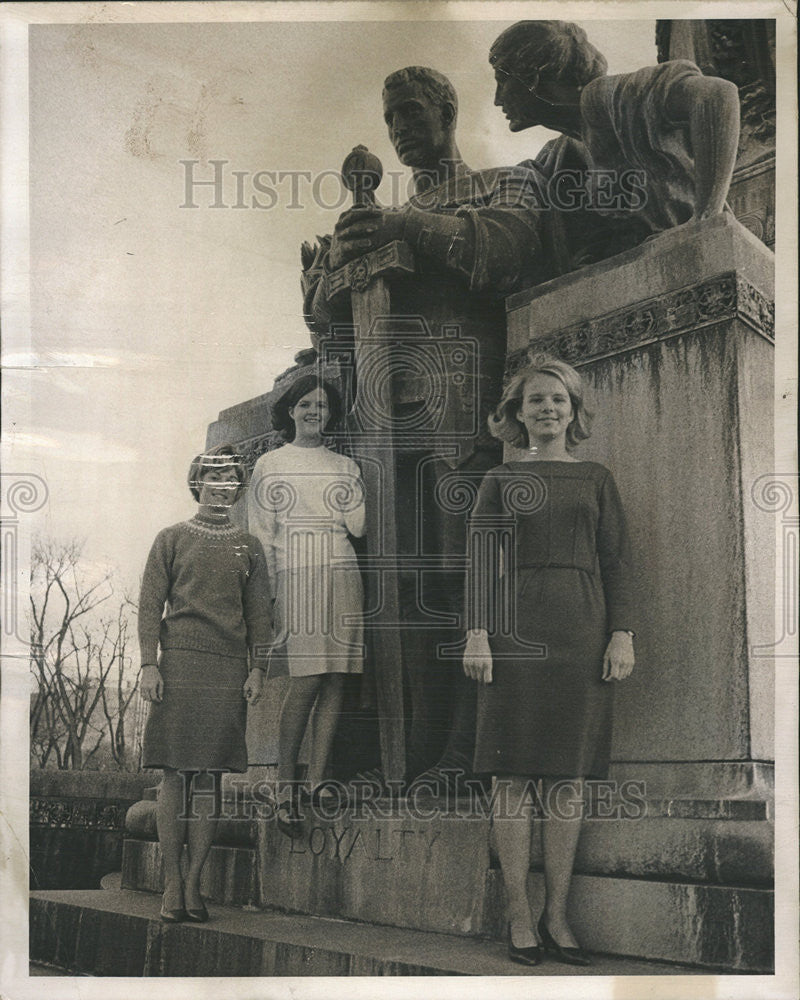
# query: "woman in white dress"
[304,501]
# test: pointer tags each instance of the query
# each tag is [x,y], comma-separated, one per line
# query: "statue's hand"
[360,230]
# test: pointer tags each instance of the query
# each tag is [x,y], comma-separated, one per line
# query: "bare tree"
[73,651]
[117,702]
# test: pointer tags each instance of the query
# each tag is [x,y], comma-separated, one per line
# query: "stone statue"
[656,147]
[474,236]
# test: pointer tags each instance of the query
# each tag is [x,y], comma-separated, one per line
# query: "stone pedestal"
[675,340]
[688,881]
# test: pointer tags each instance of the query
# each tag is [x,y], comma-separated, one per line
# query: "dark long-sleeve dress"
[549,602]
[204,601]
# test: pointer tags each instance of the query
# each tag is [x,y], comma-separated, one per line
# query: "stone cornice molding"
[685,310]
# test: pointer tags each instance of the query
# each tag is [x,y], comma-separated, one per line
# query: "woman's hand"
[252,686]
[152,685]
[618,659]
[478,656]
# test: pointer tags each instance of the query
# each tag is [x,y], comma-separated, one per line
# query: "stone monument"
[668,313]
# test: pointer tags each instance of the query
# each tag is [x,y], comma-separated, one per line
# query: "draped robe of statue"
[626,126]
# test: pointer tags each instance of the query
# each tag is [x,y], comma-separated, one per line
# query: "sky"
[147,317]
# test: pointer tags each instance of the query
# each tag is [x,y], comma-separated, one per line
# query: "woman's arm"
[482,575]
[355,512]
[152,598]
[262,521]
[256,607]
[257,619]
[613,549]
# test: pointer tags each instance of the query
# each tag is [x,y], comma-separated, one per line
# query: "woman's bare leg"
[171,826]
[201,827]
[512,818]
[560,833]
[295,712]
[326,717]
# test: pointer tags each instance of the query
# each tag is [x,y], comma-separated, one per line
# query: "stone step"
[119,933]
[723,927]
[230,875]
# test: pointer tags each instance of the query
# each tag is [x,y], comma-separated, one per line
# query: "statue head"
[540,67]
[420,107]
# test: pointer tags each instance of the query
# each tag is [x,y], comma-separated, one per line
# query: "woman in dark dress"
[546,646]
[204,605]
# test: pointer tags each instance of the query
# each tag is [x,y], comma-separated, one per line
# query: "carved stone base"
[689,880]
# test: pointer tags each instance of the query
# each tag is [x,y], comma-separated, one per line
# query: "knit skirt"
[318,622]
[547,712]
[200,722]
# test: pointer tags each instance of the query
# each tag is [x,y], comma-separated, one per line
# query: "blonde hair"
[504,422]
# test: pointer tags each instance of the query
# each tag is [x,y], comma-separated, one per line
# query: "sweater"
[301,505]
[204,588]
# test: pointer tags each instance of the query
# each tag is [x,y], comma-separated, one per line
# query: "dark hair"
[506,425]
[433,84]
[221,455]
[558,51]
[302,386]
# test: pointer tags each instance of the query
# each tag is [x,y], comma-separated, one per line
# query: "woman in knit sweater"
[304,501]
[204,603]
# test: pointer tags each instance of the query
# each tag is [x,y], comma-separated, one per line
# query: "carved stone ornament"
[360,275]
[70,813]
[394,258]
[725,297]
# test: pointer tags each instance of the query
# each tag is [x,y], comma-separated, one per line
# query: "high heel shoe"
[174,916]
[532,955]
[289,820]
[199,915]
[568,956]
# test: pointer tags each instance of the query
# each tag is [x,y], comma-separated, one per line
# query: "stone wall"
[77,823]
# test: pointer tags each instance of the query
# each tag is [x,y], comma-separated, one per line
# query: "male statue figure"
[474,237]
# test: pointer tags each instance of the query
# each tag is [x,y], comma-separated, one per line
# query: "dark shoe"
[322,798]
[289,819]
[198,916]
[532,955]
[568,956]
[175,916]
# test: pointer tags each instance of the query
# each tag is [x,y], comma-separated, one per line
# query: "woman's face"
[310,414]
[515,99]
[219,486]
[545,408]
[537,103]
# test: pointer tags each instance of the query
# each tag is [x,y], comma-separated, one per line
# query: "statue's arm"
[493,241]
[710,106]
